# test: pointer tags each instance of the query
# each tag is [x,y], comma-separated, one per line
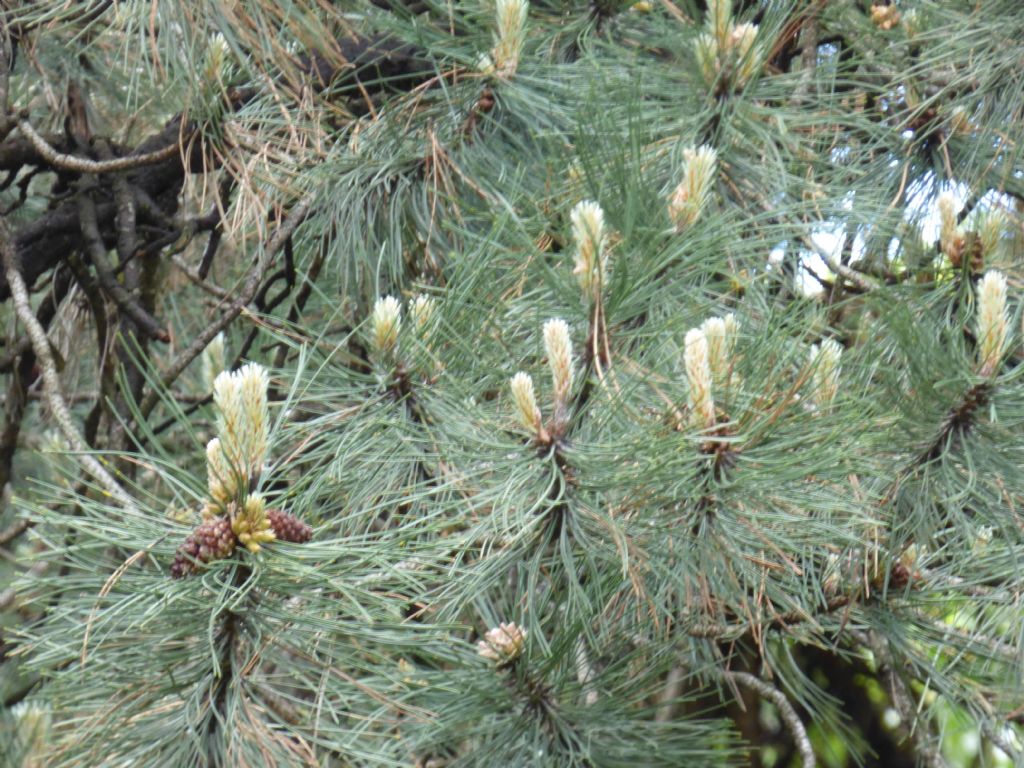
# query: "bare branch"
[245,296]
[780,621]
[808,57]
[666,700]
[14,530]
[41,347]
[98,255]
[786,712]
[194,277]
[995,735]
[5,68]
[585,673]
[851,275]
[9,595]
[902,698]
[84,165]
[845,272]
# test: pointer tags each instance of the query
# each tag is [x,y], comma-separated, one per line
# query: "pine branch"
[781,621]
[958,422]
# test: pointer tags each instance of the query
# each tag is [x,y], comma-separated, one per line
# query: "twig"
[669,694]
[1006,652]
[106,364]
[958,422]
[901,696]
[97,254]
[15,530]
[14,352]
[312,272]
[245,295]
[84,165]
[779,621]
[808,57]
[124,199]
[5,69]
[585,673]
[992,734]
[9,595]
[194,277]
[845,272]
[964,587]
[212,244]
[278,704]
[852,275]
[41,347]
[71,397]
[22,366]
[786,711]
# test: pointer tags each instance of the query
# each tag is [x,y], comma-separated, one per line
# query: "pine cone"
[899,576]
[211,540]
[287,527]
[183,563]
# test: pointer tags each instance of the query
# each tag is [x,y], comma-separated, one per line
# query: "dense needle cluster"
[234,516]
[654,371]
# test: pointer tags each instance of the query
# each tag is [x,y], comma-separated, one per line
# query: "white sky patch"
[921,211]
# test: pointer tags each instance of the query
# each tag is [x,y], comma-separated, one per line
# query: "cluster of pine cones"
[214,539]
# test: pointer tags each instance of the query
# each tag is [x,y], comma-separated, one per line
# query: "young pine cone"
[212,539]
[287,527]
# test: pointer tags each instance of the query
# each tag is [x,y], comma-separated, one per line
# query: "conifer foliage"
[512,383]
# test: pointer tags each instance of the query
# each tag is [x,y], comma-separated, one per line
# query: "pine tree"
[512,383]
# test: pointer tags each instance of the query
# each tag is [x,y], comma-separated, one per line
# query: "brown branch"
[994,734]
[97,252]
[156,166]
[23,366]
[248,291]
[220,207]
[14,352]
[312,272]
[6,52]
[863,283]
[18,152]
[84,165]
[124,201]
[14,413]
[45,241]
[15,530]
[958,422]
[98,306]
[195,278]
[901,697]
[41,347]
[808,56]
[47,309]
[786,711]
[727,631]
